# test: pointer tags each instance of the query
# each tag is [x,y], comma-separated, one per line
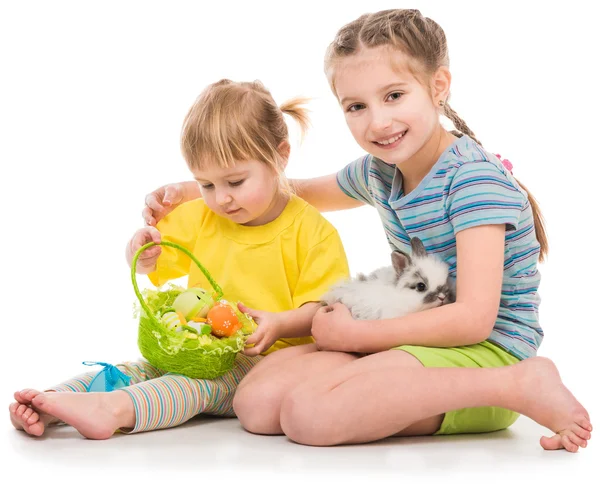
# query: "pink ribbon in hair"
[507,164]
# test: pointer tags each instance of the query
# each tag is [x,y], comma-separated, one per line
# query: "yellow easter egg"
[173,320]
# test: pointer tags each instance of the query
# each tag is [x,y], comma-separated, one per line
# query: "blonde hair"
[424,41]
[239,121]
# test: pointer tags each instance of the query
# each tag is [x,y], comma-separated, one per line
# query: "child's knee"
[305,419]
[257,407]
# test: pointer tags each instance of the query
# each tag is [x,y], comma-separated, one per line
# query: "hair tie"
[507,164]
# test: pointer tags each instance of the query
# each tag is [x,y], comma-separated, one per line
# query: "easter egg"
[199,327]
[193,302]
[173,320]
[223,319]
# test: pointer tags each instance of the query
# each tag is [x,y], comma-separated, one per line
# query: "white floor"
[217,455]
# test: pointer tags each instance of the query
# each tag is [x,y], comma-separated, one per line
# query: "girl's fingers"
[145,263]
[140,242]
[258,349]
[255,314]
[155,236]
[255,350]
[151,253]
[254,338]
[252,351]
[153,203]
[173,195]
[146,235]
[147,216]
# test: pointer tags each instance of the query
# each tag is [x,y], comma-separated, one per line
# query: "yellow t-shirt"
[274,267]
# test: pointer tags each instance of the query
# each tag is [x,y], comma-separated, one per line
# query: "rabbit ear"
[418,249]
[400,261]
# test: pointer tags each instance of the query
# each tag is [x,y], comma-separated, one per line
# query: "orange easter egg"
[223,320]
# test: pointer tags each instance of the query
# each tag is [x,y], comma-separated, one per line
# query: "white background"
[91,103]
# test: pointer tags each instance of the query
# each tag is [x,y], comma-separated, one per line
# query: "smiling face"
[247,193]
[390,113]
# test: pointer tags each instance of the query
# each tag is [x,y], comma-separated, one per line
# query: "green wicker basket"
[205,357]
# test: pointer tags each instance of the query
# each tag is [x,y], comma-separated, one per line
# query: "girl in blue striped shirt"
[469,366]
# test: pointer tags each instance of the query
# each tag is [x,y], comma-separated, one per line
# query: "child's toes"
[14,417]
[581,432]
[25,395]
[25,418]
[584,422]
[21,409]
[27,414]
[30,394]
[552,443]
[568,444]
[33,418]
[36,429]
[575,439]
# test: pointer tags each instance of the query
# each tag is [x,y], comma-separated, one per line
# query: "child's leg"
[166,401]
[174,399]
[34,422]
[379,400]
[139,371]
[273,362]
[257,402]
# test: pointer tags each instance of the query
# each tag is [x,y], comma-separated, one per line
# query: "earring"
[441,102]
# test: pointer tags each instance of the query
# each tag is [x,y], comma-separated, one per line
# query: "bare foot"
[546,400]
[94,415]
[24,417]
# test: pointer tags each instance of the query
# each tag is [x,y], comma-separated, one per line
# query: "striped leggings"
[163,400]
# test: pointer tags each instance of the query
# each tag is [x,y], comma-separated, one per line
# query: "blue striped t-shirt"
[467,187]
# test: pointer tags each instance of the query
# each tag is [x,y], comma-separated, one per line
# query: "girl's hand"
[335,329]
[146,263]
[162,201]
[267,333]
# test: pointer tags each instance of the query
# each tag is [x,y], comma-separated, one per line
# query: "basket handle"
[147,310]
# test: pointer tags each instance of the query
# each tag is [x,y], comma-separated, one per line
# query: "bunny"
[411,284]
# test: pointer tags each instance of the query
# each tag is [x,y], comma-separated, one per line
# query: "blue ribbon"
[112,376]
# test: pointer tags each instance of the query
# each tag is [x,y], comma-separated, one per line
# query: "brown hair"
[239,121]
[424,41]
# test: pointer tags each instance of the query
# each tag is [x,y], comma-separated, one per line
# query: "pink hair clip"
[507,164]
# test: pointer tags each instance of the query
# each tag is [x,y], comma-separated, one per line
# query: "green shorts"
[486,354]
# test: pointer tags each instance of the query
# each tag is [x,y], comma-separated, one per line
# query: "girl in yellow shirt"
[265,245]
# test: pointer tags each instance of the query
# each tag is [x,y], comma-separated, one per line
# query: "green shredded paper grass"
[203,357]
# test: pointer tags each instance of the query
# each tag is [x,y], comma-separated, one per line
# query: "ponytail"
[296,109]
[538,218]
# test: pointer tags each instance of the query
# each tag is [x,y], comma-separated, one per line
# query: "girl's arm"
[160,202]
[272,326]
[470,320]
[321,192]
[147,260]
[297,323]
[324,193]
